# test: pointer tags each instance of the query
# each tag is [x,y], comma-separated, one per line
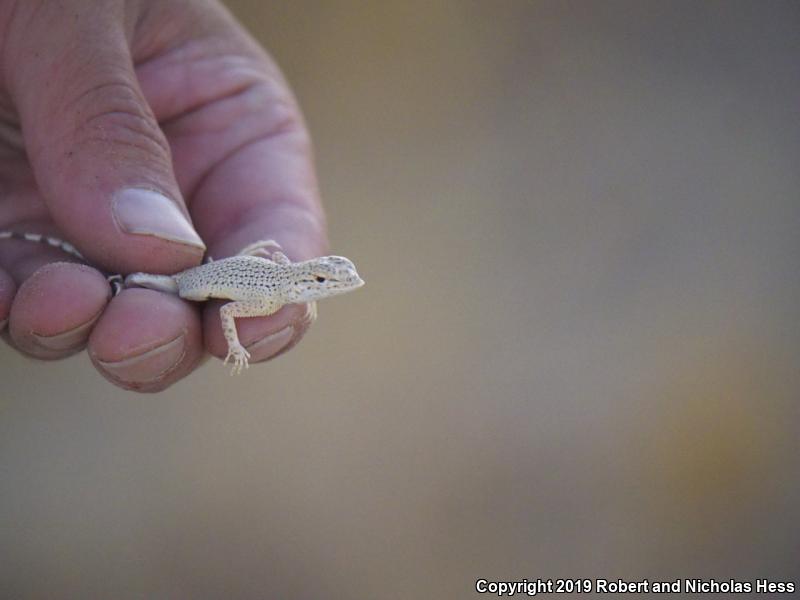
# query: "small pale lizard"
[256,285]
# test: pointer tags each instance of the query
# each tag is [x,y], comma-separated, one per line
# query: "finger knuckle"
[115,114]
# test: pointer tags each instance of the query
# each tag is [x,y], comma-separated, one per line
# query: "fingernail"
[146,212]
[148,366]
[71,339]
[272,344]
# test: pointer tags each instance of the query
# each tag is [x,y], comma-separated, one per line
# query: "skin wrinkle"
[233,92]
[145,133]
[286,127]
[128,95]
[172,122]
[235,72]
[136,146]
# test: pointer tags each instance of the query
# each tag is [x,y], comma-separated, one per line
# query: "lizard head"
[323,277]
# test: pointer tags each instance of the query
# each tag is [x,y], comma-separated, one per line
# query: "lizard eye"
[320,279]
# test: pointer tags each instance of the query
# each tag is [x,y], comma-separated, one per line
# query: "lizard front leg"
[241,308]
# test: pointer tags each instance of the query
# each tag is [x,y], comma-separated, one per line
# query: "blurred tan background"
[576,354]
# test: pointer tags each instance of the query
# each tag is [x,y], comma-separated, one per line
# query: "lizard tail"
[161,283]
[39,238]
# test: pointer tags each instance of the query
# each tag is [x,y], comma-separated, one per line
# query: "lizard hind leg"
[261,249]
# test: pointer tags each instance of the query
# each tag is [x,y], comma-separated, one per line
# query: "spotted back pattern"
[253,278]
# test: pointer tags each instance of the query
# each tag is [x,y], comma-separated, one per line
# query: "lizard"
[256,281]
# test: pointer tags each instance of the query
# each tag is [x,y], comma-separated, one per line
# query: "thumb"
[99,157]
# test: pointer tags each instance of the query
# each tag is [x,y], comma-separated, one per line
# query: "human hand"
[128,128]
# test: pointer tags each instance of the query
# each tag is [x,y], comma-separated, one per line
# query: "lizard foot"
[239,357]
